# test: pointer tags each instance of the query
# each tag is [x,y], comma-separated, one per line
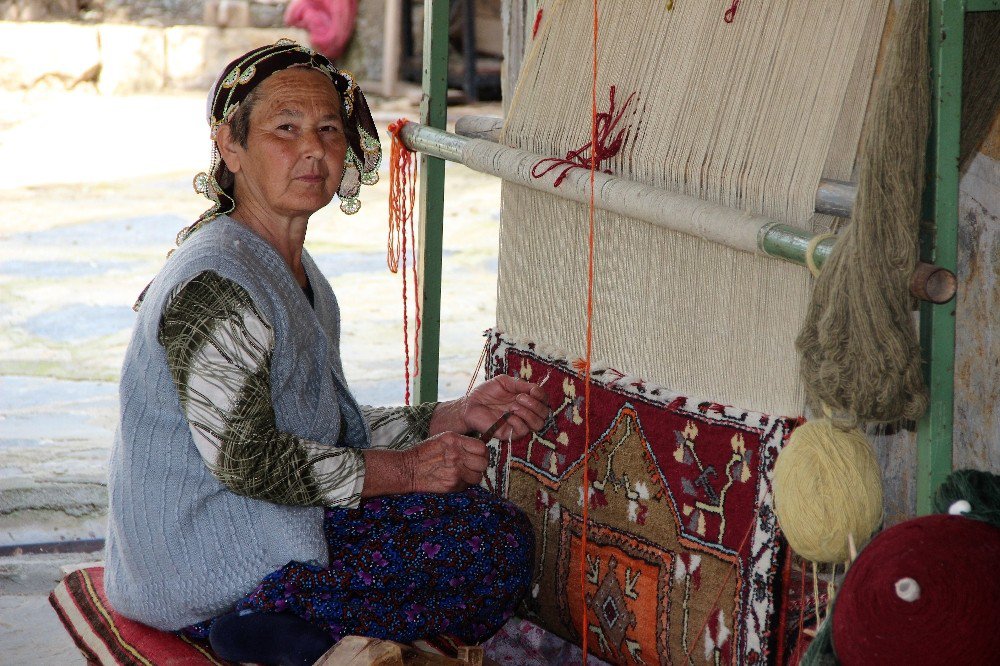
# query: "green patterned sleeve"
[399,427]
[219,350]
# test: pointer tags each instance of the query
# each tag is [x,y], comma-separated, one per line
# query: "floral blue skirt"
[404,567]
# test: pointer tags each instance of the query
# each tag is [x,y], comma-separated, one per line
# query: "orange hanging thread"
[588,366]
[401,245]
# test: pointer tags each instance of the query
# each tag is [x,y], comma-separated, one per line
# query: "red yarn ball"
[955,562]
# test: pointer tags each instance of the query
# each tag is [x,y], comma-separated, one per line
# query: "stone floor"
[93,190]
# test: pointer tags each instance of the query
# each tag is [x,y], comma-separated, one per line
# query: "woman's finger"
[476,464]
[471,477]
[518,385]
[516,427]
[530,406]
[472,446]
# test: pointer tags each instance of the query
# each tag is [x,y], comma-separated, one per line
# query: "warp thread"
[402,196]
[860,353]
[827,487]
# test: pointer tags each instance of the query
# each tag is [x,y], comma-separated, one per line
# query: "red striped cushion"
[105,637]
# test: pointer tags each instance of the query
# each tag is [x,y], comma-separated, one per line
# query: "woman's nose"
[312,144]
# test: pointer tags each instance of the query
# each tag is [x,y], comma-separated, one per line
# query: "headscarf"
[238,80]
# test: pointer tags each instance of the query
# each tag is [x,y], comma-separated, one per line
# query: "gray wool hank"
[980,81]
[860,353]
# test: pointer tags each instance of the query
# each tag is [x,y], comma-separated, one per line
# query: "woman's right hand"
[447,462]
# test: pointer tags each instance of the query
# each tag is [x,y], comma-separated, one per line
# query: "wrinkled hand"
[490,400]
[446,463]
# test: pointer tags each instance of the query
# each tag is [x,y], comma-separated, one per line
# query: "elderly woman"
[252,500]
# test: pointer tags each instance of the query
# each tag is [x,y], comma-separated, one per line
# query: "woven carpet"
[683,547]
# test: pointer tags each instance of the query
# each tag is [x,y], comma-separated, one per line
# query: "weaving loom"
[750,115]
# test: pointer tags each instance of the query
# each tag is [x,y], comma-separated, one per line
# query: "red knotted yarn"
[402,238]
[953,610]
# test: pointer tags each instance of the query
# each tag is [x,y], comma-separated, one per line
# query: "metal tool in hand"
[488,435]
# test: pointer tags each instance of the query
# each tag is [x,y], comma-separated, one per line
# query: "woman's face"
[294,159]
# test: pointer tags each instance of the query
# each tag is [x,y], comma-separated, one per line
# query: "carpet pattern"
[683,549]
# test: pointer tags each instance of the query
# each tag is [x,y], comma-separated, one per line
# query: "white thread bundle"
[750,115]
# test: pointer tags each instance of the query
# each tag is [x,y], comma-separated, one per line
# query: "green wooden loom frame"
[939,246]
[937,322]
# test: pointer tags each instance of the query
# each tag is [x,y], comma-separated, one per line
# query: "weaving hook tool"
[488,435]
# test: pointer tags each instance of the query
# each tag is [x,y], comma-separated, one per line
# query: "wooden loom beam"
[720,224]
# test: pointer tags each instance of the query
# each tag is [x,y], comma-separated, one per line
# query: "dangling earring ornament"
[350,184]
[350,205]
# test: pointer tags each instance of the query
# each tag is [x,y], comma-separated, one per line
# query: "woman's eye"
[329,128]
[286,127]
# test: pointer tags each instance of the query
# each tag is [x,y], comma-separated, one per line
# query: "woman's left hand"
[488,402]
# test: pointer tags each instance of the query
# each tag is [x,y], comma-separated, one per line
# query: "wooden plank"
[364,651]
[361,651]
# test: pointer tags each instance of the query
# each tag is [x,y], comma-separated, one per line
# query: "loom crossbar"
[696,217]
[833,197]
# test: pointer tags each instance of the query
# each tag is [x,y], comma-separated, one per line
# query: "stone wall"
[123,59]
[123,47]
[260,13]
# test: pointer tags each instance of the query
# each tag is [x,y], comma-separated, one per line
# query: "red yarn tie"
[730,14]
[606,142]
[402,238]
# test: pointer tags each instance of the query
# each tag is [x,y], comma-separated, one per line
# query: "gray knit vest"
[181,547]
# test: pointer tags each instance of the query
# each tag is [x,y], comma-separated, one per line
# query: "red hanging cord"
[800,640]
[402,197]
[722,587]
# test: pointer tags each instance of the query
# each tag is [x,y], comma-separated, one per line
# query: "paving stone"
[31,633]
